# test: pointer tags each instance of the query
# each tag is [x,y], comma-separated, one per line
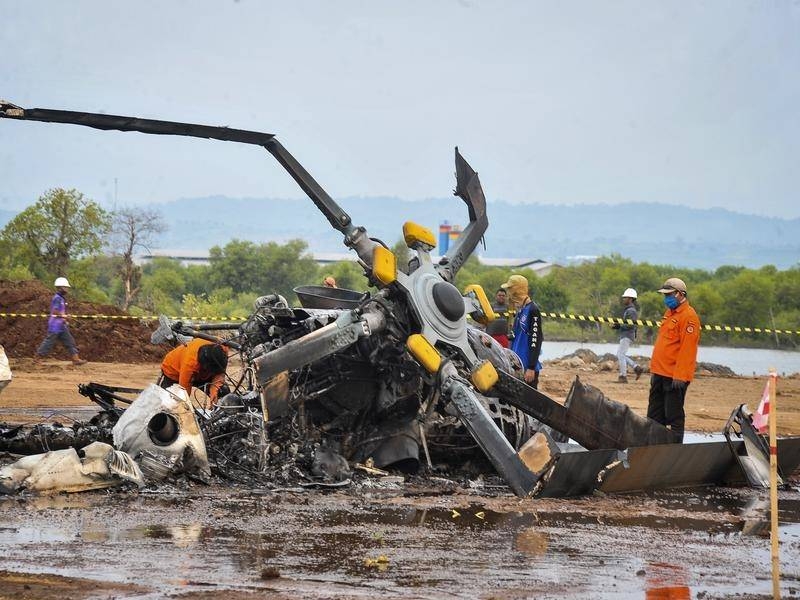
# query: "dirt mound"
[99,340]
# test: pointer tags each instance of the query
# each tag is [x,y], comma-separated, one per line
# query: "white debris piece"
[5,369]
[162,422]
[95,466]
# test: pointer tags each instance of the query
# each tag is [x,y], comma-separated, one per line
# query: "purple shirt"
[57,306]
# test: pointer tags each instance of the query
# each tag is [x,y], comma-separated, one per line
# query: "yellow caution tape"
[649,323]
[121,317]
[551,315]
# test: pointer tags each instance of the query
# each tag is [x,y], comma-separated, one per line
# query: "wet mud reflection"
[660,545]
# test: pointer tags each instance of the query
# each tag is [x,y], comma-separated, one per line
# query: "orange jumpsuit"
[675,351]
[181,365]
[674,358]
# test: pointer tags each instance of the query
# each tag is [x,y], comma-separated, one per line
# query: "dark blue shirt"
[528,337]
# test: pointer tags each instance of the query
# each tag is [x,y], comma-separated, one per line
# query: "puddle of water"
[564,549]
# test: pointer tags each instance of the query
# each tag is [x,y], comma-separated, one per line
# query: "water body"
[743,361]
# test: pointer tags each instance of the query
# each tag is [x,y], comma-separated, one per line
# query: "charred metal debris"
[353,385]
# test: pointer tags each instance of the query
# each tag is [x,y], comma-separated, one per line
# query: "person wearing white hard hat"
[627,333]
[57,327]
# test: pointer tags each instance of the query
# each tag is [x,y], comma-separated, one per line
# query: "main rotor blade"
[333,212]
[122,123]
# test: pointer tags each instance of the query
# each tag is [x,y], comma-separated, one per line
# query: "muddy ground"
[417,539]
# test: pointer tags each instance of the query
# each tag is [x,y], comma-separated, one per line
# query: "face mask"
[671,302]
[516,294]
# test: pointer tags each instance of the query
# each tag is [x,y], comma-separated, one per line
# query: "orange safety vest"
[181,365]
[675,351]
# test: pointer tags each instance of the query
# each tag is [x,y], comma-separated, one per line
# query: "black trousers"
[164,381]
[665,405]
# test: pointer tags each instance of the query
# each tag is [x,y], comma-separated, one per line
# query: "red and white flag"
[761,416]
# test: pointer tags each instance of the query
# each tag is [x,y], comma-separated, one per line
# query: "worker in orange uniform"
[199,363]
[674,358]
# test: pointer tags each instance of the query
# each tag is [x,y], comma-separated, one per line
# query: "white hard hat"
[61,282]
[630,293]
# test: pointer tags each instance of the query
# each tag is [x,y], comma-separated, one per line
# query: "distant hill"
[656,233]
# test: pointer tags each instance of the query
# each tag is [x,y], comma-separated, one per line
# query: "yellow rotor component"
[424,352]
[416,235]
[484,376]
[483,300]
[384,265]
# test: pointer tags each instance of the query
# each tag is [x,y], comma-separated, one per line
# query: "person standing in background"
[627,333]
[527,342]
[498,328]
[674,358]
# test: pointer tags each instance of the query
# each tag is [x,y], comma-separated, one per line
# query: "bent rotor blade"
[355,237]
[468,188]
[588,417]
[488,436]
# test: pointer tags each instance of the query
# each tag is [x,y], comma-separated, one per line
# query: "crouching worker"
[200,364]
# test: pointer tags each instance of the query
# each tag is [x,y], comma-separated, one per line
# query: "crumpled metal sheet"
[95,466]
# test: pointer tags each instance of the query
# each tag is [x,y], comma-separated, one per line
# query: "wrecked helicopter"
[389,378]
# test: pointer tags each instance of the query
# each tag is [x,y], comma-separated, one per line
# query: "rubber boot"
[77,360]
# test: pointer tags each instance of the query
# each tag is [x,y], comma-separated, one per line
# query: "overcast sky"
[689,103]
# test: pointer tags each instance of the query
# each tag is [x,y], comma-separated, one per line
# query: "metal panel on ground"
[575,473]
[788,461]
[669,466]
[789,455]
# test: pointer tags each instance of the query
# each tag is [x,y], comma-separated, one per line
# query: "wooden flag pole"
[773,485]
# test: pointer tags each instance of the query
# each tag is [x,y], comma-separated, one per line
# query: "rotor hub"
[448,300]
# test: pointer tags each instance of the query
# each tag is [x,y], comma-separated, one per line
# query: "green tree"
[163,286]
[220,303]
[239,265]
[348,275]
[262,268]
[61,226]
[402,254]
[549,294]
[708,302]
[787,289]
[748,297]
[14,262]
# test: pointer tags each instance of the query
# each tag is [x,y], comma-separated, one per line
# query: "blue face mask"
[671,302]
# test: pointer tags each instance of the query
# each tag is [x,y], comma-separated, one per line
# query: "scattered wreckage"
[382,381]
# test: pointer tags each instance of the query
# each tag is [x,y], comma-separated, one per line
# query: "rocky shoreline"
[584,359]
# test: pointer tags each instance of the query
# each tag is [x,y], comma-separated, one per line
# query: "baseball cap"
[672,284]
[515,281]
